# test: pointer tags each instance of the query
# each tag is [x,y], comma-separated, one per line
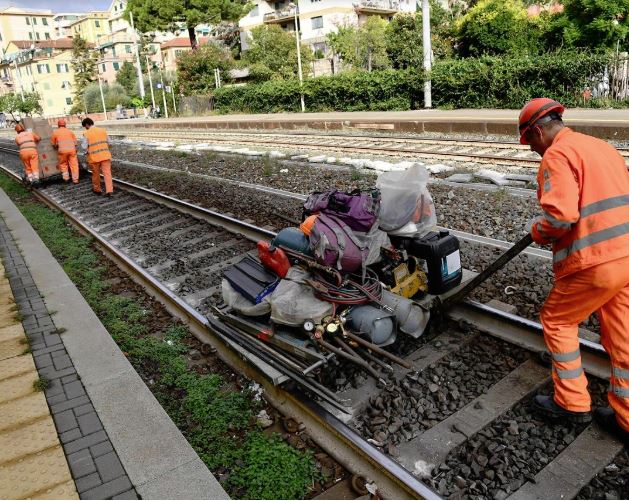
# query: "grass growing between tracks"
[217,421]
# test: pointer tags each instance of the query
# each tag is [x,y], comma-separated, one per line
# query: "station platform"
[603,123]
[95,431]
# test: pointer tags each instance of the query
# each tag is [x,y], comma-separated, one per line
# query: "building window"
[47,36]
[44,21]
[178,52]
[317,22]
[68,100]
[34,21]
[63,68]
[28,21]
[30,35]
[103,67]
[97,23]
[43,68]
[127,49]
[116,66]
[113,51]
[37,35]
[255,11]
[66,85]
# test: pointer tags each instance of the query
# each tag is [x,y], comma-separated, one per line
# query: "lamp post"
[427,46]
[148,70]
[137,60]
[100,87]
[301,78]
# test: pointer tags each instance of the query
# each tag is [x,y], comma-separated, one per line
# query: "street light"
[301,78]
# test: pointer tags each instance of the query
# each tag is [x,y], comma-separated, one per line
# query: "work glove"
[531,222]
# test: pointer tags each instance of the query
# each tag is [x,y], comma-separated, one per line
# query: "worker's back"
[26,141]
[65,139]
[97,145]
[601,233]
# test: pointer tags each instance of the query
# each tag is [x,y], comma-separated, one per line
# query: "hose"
[349,292]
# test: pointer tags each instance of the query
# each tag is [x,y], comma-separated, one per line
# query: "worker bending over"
[583,190]
[27,142]
[64,141]
[96,142]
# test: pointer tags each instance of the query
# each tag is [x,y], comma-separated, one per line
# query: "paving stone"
[83,409]
[74,389]
[42,361]
[88,441]
[109,466]
[127,495]
[89,423]
[65,421]
[62,362]
[69,379]
[109,489]
[89,482]
[70,435]
[52,340]
[100,449]
[54,389]
[81,463]
[52,373]
[69,404]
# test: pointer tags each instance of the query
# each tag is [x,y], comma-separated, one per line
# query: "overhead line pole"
[137,60]
[427,46]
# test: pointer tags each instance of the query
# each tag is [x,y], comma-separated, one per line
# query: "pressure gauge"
[331,328]
[309,325]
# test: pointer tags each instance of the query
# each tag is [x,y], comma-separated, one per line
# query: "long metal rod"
[378,350]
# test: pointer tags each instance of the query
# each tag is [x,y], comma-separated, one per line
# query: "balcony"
[377,6]
[280,16]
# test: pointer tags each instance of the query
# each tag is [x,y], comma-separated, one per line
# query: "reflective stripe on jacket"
[27,141]
[97,146]
[64,139]
[583,189]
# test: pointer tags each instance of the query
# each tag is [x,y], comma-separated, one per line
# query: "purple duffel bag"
[357,209]
[334,244]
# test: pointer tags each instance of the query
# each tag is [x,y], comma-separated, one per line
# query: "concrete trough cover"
[460,178]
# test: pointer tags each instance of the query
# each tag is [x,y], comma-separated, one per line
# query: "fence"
[196,105]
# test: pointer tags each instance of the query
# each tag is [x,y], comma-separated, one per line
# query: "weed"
[61,330]
[268,166]
[27,350]
[41,384]
[355,174]
[501,194]
[24,340]
[14,307]
[18,317]
[52,312]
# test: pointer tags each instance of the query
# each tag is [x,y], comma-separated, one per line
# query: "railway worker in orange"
[583,190]
[27,142]
[64,141]
[96,142]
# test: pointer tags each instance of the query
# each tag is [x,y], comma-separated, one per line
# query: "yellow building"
[92,27]
[25,24]
[46,69]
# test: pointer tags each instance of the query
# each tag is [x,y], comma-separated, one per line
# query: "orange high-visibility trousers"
[69,158]
[30,159]
[103,167]
[603,289]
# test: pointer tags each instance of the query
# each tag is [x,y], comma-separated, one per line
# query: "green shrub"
[486,82]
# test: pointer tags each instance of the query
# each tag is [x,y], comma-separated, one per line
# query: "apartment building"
[62,23]
[41,66]
[91,27]
[318,18]
[25,24]
[172,49]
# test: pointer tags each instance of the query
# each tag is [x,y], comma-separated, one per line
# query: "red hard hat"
[534,110]
[19,128]
[61,122]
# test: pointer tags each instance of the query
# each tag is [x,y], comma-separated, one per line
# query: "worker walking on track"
[583,190]
[96,143]
[64,141]
[27,142]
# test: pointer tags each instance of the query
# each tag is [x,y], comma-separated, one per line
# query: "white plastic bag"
[293,300]
[406,202]
[241,304]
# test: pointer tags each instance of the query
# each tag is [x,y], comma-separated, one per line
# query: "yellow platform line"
[32,462]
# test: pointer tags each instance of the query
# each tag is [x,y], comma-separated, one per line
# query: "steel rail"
[356,453]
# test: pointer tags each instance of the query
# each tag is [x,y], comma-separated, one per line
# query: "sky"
[58,5]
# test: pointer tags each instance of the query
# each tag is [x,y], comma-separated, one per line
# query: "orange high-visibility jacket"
[27,141]
[64,139]
[583,188]
[97,147]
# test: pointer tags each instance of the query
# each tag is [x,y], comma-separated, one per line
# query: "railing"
[377,4]
[279,14]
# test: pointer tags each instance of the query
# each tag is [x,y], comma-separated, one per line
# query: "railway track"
[477,151]
[177,250]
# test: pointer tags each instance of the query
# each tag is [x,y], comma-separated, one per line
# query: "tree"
[127,77]
[195,69]
[168,15]
[13,104]
[114,95]
[272,54]
[594,24]
[84,66]
[363,47]
[495,27]
[404,39]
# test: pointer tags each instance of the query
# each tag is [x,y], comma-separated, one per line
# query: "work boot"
[547,406]
[109,195]
[97,192]
[606,418]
